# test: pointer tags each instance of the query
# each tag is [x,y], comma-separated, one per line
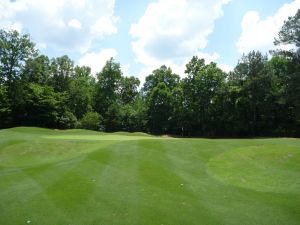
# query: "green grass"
[79,177]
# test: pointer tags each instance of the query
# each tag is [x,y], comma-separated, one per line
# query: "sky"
[142,35]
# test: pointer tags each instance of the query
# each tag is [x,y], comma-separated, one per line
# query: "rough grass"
[84,177]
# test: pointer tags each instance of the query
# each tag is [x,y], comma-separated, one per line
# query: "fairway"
[80,177]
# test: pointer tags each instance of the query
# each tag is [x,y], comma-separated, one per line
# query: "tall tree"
[161,75]
[62,69]
[250,75]
[42,106]
[37,70]
[82,91]
[290,34]
[5,108]
[276,98]
[159,108]
[157,91]
[199,88]
[107,94]
[129,89]
[15,50]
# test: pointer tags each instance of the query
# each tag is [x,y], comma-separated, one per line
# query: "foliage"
[37,70]
[15,49]
[290,31]
[62,69]
[82,91]
[42,106]
[67,120]
[129,89]
[91,121]
[200,90]
[161,75]
[260,97]
[159,108]
[5,108]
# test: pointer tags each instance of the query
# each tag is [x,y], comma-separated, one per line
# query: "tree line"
[260,97]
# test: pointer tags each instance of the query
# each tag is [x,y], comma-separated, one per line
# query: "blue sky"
[144,34]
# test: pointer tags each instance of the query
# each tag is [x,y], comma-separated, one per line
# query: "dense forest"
[260,97]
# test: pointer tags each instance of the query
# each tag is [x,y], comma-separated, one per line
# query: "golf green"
[79,177]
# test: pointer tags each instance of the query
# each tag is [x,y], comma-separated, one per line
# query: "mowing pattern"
[85,178]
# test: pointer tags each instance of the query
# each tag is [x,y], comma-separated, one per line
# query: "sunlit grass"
[84,177]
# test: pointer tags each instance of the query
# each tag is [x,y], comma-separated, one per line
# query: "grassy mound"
[83,177]
[269,168]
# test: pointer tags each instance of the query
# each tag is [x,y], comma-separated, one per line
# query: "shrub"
[91,121]
[67,120]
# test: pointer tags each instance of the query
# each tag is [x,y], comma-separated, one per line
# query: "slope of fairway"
[83,177]
[269,168]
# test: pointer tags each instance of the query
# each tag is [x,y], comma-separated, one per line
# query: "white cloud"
[208,57]
[178,68]
[125,69]
[97,60]
[63,24]
[258,33]
[41,45]
[75,24]
[104,26]
[226,68]
[171,31]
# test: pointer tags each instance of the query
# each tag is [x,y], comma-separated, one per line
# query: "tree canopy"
[260,97]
